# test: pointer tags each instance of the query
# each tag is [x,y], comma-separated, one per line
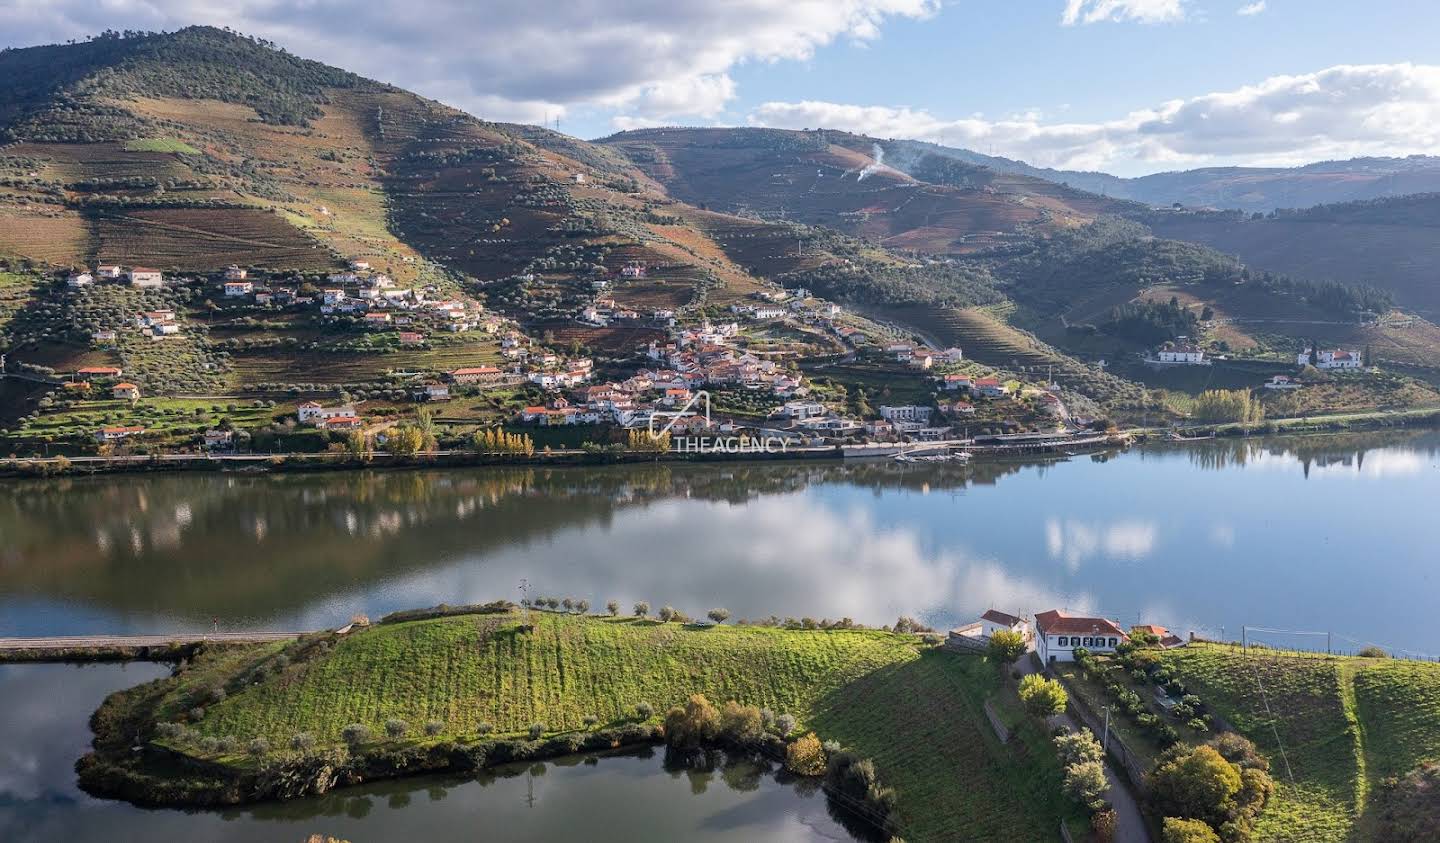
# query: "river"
[1322,534]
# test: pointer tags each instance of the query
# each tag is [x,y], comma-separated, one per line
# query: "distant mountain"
[1253,189]
[848,182]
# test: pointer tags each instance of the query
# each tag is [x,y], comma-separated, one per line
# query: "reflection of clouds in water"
[1075,541]
[788,555]
[1223,535]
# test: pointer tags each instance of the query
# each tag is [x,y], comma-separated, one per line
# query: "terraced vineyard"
[207,239]
[45,233]
[916,710]
[1345,724]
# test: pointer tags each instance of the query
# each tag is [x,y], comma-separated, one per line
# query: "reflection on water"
[619,797]
[1204,536]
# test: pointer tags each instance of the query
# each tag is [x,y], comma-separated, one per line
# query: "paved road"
[67,642]
[1130,823]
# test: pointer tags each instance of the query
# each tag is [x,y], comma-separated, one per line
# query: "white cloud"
[1339,112]
[1143,11]
[510,59]
[1250,9]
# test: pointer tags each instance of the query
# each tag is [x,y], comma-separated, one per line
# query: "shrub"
[644,710]
[169,731]
[590,720]
[1006,646]
[396,728]
[667,614]
[1195,783]
[740,723]
[1103,823]
[1197,723]
[1239,750]
[692,724]
[535,731]
[1179,830]
[197,714]
[784,724]
[1085,783]
[718,615]
[355,734]
[434,727]
[258,747]
[1042,697]
[302,741]
[226,744]
[1078,748]
[613,607]
[805,756]
[483,728]
[1373,652]
[642,609]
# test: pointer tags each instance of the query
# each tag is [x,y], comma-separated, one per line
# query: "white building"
[1332,359]
[1059,635]
[1181,353]
[994,621]
[80,279]
[313,412]
[1282,382]
[906,413]
[146,279]
[802,409]
[235,289]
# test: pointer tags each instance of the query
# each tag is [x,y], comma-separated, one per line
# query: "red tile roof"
[997,616]
[1058,623]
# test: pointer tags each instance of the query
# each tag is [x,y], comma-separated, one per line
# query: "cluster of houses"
[706,355]
[629,403]
[142,277]
[1055,635]
[921,357]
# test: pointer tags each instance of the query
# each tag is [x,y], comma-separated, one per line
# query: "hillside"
[1387,243]
[1249,189]
[915,710]
[1345,725]
[834,179]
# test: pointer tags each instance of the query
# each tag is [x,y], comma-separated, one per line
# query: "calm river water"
[1334,534]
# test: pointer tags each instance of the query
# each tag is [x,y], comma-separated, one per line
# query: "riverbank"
[463,691]
[328,461]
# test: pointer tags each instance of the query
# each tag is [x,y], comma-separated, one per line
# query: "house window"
[1113,642]
[1064,642]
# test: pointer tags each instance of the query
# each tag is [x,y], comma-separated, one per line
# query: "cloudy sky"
[1128,86]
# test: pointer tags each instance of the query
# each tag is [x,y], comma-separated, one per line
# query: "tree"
[1042,697]
[535,731]
[582,606]
[667,614]
[690,725]
[740,723]
[805,756]
[1078,748]
[1179,830]
[1006,646]
[396,728]
[642,609]
[613,607]
[404,440]
[1195,783]
[1086,783]
[718,615]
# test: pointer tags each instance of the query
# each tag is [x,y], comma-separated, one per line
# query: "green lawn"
[916,710]
[1345,724]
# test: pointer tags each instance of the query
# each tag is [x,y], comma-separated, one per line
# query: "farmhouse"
[1282,382]
[109,270]
[125,391]
[432,392]
[235,289]
[1332,359]
[79,279]
[100,371]
[1060,634]
[315,413]
[954,382]
[145,278]
[476,374]
[235,273]
[411,338]
[112,434]
[1183,353]
[976,635]
[341,423]
[103,336]
[1168,640]
[991,388]
[216,439]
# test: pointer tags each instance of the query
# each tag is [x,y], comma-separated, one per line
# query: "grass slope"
[1345,725]
[917,711]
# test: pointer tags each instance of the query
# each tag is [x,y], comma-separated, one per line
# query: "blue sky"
[1129,86]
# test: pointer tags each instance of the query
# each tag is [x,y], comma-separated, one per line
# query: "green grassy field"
[160,145]
[916,710]
[1345,724]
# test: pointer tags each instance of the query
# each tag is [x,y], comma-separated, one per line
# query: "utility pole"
[525,598]
[1105,741]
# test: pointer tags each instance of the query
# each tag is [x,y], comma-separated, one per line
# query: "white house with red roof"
[1059,635]
[994,621]
[1332,359]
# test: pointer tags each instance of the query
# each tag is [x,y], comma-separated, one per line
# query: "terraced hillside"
[916,710]
[1335,729]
